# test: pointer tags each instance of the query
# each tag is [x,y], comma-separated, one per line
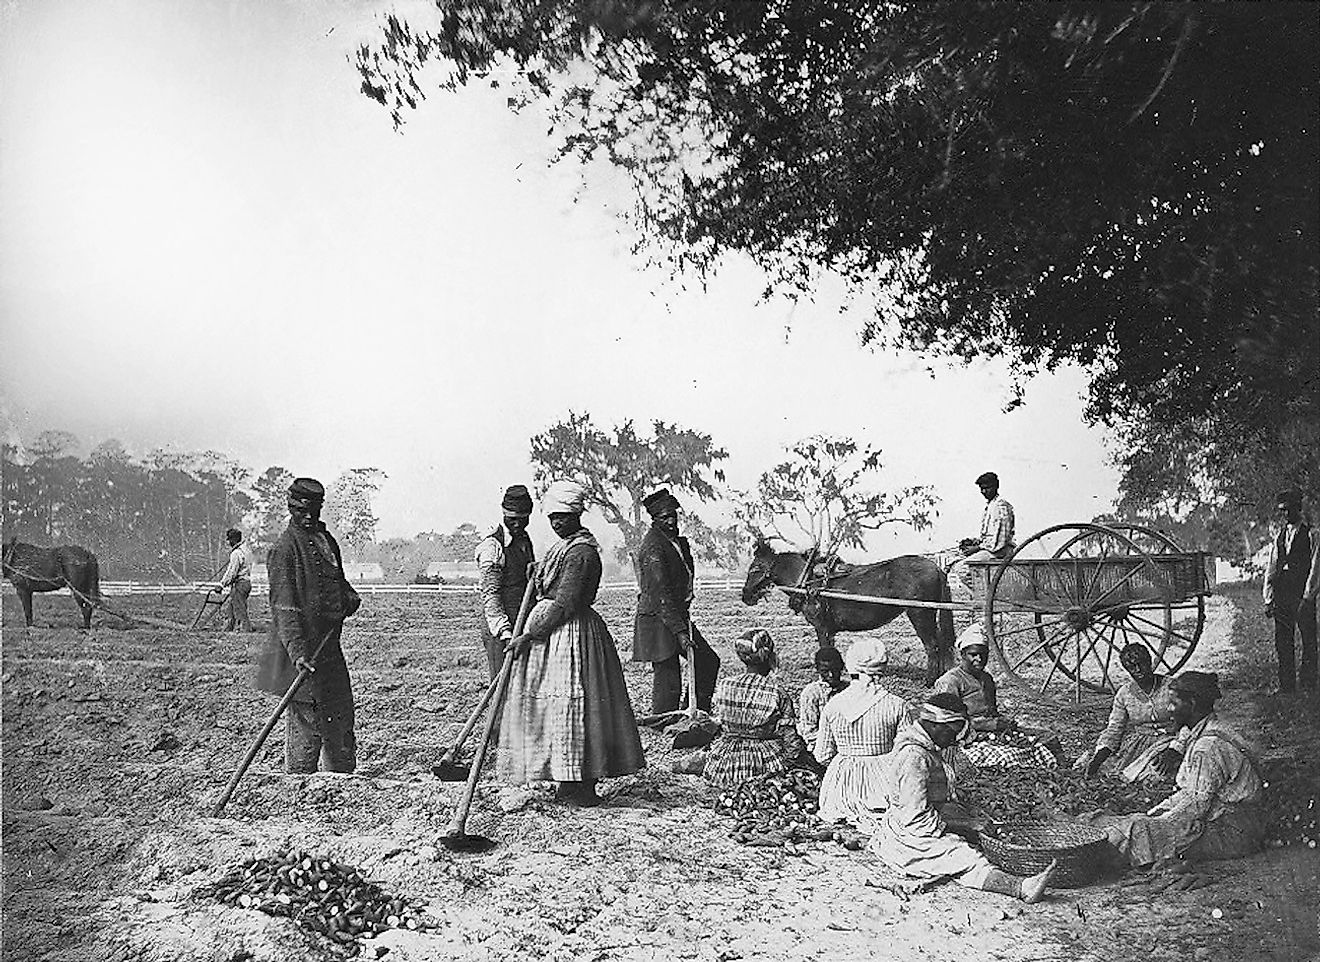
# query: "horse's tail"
[944,630]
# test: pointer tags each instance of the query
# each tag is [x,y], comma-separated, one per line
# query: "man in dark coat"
[1292,580]
[309,600]
[504,558]
[663,626]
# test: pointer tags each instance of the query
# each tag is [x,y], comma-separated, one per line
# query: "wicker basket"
[1025,848]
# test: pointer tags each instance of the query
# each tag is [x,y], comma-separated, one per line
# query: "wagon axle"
[1077,618]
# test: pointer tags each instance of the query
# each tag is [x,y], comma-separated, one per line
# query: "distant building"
[363,571]
[450,572]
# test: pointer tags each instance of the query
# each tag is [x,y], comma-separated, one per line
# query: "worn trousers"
[315,736]
[494,652]
[236,611]
[667,684]
[1294,617]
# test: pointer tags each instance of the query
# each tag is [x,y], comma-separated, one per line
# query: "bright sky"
[209,239]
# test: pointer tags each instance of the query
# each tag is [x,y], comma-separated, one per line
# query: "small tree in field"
[619,467]
[348,506]
[822,492]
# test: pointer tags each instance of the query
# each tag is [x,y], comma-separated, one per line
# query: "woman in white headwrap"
[567,717]
[857,730]
[996,739]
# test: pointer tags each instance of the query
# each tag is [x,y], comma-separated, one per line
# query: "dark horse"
[34,569]
[910,576]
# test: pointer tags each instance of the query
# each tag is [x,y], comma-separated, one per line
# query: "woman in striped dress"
[567,717]
[759,737]
[857,730]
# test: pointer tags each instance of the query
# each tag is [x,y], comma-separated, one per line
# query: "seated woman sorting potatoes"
[759,737]
[857,730]
[1135,737]
[973,686]
[1216,811]
[914,836]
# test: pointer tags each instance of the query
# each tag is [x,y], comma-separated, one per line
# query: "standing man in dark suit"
[1292,578]
[504,559]
[309,600]
[663,627]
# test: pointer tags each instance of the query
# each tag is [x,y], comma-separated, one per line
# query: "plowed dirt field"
[117,741]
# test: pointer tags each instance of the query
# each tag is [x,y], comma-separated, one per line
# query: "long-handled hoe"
[449,769]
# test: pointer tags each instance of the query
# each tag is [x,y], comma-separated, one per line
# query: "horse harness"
[817,575]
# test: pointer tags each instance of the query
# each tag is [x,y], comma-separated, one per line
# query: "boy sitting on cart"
[996,739]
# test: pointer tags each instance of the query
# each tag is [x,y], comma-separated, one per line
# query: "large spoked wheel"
[1071,597]
[1170,649]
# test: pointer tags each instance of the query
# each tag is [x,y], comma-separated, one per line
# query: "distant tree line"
[163,515]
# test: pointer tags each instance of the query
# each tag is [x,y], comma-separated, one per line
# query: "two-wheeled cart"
[1059,609]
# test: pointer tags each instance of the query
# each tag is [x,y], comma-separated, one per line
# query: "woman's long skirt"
[567,716]
[854,788]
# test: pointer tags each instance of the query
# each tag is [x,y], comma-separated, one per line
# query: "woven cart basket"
[1025,848]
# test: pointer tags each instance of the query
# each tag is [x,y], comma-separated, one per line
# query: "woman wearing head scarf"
[759,737]
[857,729]
[972,685]
[914,836]
[567,717]
[1135,736]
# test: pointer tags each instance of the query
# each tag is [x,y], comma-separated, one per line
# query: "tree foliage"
[822,492]
[619,466]
[162,515]
[1128,186]
[348,506]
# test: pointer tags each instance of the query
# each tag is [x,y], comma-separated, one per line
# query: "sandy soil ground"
[117,741]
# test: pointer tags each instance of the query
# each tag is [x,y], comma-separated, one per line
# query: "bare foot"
[1033,889]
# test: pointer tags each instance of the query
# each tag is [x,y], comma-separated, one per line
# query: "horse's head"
[11,546]
[759,574]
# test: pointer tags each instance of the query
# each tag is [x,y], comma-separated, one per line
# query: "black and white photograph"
[659,480]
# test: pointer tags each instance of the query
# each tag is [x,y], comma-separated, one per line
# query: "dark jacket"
[664,596]
[309,599]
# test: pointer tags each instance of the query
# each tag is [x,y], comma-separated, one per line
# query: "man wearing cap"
[995,541]
[662,628]
[1292,578]
[309,600]
[1215,812]
[504,560]
[996,538]
[238,579]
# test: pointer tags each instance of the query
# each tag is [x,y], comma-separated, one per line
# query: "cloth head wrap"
[756,648]
[867,656]
[945,709]
[1133,655]
[988,478]
[1199,684]
[972,635]
[517,501]
[659,503]
[564,497]
[305,492]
